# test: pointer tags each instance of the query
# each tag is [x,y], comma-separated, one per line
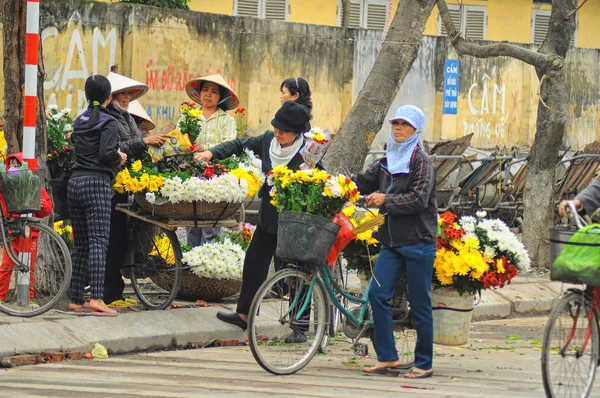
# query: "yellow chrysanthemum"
[162,247]
[196,113]
[136,166]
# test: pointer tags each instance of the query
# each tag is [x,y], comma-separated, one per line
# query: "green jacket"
[260,145]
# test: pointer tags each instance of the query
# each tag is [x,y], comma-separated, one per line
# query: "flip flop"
[83,308]
[418,374]
[105,313]
[121,304]
[377,370]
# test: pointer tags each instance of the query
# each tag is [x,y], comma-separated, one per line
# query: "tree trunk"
[399,50]
[538,201]
[345,13]
[13,31]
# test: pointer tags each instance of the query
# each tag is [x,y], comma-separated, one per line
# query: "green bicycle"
[285,333]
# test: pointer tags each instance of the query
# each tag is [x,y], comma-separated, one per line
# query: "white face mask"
[118,106]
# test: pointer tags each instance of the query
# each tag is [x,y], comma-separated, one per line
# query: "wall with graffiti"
[495,99]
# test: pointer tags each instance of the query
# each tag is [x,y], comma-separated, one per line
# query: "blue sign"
[451,86]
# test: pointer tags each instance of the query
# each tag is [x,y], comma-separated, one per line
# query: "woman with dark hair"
[296,89]
[89,192]
[280,147]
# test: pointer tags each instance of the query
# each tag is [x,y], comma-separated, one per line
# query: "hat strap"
[223,100]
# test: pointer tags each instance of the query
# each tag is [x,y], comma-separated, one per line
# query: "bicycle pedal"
[360,349]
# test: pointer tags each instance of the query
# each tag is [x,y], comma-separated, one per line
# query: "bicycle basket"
[21,189]
[305,237]
[579,261]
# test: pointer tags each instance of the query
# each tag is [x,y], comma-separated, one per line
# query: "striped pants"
[89,204]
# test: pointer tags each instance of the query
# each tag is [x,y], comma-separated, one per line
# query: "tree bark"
[13,31]
[345,13]
[538,201]
[399,50]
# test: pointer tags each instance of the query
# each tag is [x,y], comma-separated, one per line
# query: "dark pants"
[89,205]
[256,267]
[416,261]
[117,249]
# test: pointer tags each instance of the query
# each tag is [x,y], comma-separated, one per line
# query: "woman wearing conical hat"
[141,117]
[215,97]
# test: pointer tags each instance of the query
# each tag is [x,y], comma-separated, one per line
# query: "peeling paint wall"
[497,97]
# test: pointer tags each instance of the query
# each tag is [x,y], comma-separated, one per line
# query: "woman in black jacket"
[402,186]
[97,158]
[275,148]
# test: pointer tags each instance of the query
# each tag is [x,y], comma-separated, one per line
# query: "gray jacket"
[132,138]
[590,197]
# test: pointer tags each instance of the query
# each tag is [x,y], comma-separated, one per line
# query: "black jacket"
[410,201]
[260,145]
[96,144]
[132,138]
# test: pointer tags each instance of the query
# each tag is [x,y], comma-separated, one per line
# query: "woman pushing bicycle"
[402,186]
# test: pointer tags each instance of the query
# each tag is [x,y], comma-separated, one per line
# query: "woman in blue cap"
[402,186]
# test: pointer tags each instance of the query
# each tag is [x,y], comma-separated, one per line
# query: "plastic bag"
[317,142]
[99,351]
[344,237]
[579,261]
[176,144]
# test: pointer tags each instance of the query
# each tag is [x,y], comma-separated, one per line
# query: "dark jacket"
[590,197]
[410,201]
[96,144]
[132,138]
[260,145]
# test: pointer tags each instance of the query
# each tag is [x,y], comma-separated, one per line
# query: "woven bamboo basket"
[185,210]
[194,287]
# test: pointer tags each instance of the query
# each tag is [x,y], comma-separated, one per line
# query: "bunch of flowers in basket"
[189,121]
[360,254]
[233,181]
[218,259]
[60,152]
[241,236]
[310,191]
[66,233]
[477,253]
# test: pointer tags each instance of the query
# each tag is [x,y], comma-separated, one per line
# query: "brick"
[17,360]
[73,355]
[195,345]
[53,356]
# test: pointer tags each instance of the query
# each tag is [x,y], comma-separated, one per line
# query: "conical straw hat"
[135,108]
[121,83]
[191,88]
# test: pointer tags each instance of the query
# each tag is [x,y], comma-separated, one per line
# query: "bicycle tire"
[568,318]
[154,281]
[335,315]
[52,271]
[264,341]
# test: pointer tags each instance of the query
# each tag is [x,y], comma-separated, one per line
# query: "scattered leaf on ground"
[515,337]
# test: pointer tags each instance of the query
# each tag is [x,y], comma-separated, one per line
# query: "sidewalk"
[152,330]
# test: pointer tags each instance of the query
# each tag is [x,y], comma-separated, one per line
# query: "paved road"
[493,365]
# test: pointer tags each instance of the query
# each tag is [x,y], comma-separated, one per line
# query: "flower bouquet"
[317,142]
[189,121]
[60,152]
[477,253]
[361,253]
[307,201]
[182,190]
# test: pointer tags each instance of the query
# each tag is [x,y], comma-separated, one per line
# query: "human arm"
[368,181]
[235,146]
[45,205]
[416,198]
[588,199]
[108,152]
[132,138]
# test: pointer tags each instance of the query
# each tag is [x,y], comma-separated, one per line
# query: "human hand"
[203,156]
[562,206]
[123,157]
[375,199]
[68,137]
[155,139]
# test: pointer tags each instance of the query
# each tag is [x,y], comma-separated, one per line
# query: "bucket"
[451,316]
[558,239]
[305,237]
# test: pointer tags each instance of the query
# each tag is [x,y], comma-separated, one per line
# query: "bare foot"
[99,305]
[75,307]
[244,317]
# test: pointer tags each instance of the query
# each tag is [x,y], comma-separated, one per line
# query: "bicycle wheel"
[335,313]
[569,353]
[155,261]
[48,275]
[282,336]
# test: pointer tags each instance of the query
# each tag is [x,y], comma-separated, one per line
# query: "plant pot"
[194,287]
[199,210]
[451,316]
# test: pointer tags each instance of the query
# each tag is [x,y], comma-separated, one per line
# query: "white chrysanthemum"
[151,197]
[53,107]
[216,260]
[481,213]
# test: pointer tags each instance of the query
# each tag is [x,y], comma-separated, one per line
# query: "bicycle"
[271,320]
[571,340]
[51,272]
[153,258]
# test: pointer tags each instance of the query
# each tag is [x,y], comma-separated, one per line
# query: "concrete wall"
[497,97]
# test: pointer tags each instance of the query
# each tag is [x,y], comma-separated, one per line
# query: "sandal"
[418,374]
[377,370]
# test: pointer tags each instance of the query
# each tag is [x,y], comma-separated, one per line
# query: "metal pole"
[29,124]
